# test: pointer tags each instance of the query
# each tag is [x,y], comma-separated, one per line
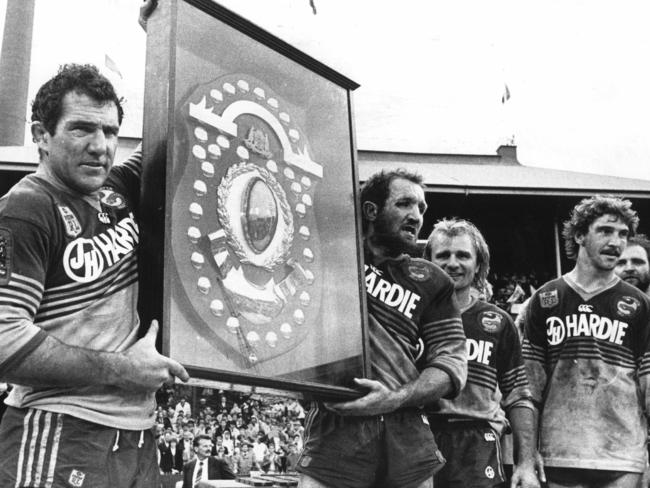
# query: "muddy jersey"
[411,299]
[496,375]
[588,362]
[68,268]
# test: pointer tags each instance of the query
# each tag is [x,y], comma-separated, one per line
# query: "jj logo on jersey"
[84,259]
[392,294]
[585,325]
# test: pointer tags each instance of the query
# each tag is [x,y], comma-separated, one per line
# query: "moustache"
[612,251]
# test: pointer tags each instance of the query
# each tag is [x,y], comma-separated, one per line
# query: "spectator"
[244,461]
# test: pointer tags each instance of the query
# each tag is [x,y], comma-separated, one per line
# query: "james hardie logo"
[84,259]
[585,308]
[584,325]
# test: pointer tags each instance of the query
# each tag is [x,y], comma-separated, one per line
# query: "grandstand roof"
[499,173]
[450,173]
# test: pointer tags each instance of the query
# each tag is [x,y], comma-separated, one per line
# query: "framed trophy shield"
[252,253]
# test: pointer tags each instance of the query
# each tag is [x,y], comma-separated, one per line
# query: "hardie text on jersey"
[85,259]
[586,325]
[392,294]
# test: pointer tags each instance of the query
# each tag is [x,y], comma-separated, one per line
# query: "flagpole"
[556,236]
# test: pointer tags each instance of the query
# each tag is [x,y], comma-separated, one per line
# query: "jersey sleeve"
[534,349]
[643,356]
[511,370]
[126,175]
[23,257]
[444,338]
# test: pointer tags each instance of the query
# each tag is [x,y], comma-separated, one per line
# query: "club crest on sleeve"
[549,299]
[111,198]
[491,321]
[419,271]
[6,251]
[627,306]
[70,222]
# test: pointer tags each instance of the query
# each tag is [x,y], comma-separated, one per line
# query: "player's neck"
[464,298]
[590,278]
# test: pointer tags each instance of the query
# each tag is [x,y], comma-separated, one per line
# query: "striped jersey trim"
[65,291]
[22,292]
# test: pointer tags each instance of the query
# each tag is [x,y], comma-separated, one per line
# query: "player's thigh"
[625,480]
[428,483]
[306,481]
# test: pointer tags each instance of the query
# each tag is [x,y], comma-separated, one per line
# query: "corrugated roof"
[494,174]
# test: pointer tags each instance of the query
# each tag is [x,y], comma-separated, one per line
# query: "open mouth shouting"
[411,230]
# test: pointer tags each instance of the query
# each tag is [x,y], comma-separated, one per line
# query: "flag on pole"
[112,65]
[506,94]
[313,6]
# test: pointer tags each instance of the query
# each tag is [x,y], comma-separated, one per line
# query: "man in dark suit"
[204,467]
[166,458]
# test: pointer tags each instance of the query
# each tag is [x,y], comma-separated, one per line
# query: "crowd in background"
[509,289]
[249,432]
[265,433]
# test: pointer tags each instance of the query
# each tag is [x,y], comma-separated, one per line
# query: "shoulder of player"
[483,306]
[491,318]
[624,288]
[549,293]
[550,285]
[421,270]
[29,200]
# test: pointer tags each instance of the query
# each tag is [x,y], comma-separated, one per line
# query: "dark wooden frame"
[158,144]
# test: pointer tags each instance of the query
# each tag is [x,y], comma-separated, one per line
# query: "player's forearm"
[524,433]
[56,364]
[429,387]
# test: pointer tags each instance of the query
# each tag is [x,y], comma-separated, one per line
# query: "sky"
[432,73]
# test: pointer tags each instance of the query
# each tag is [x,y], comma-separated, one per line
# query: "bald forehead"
[405,190]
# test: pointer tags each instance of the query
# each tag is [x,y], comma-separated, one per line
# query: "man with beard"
[587,354]
[468,428]
[632,266]
[382,438]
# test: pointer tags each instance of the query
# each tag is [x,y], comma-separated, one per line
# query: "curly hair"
[377,188]
[83,79]
[455,227]
[588,210]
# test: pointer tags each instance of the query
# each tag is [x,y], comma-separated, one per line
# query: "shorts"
[395,449]
[47,449]
[473,453]
[578,477]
